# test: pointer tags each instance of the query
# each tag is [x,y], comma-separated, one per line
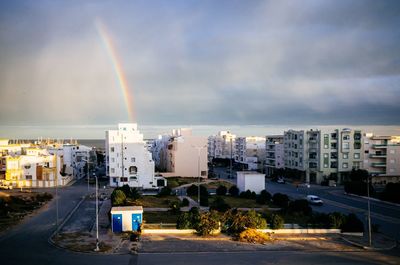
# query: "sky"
[215,63]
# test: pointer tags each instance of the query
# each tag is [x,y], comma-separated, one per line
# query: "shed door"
[117,223]
[136,221]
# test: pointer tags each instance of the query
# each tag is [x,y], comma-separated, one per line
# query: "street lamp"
[87,162]
[97,215]
[198,168]
[369,215]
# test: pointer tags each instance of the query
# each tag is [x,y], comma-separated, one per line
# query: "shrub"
[175,207]
[204,199]
[118,197]
[234,191]
[209,222]
[300,206]
[236,222]
[184,221]
[165,191]
[336,220]
[219,205]
[320,220]
[352,224]
[264,197]
[185,202]
[248,195]
[277,221]
[280,200]
[172,183]
[42,197]
[221,190]
[254,236]
[193,190]
[129,192]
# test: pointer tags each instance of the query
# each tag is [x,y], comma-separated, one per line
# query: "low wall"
[301,231]
[168,231]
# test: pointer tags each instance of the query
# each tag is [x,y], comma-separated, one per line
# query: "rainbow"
[117,65]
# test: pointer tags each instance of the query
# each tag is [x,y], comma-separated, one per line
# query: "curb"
[366,247]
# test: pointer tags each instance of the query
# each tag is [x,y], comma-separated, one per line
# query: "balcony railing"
[378,164]
[379,145]
[377,155]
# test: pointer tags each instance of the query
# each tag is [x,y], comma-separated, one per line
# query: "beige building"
[221,145]
[382,158]
[182,154]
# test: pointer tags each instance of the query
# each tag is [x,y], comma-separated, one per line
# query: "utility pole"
[230,162]
[198,170]
[97,216]
[369,215]
[56,202]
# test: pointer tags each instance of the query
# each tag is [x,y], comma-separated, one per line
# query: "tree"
[264,197]
[185,202]
[236,221]
[219,205]
[175,207]
[234,191]
[221,190]
[189,220]
[165,191]
[300,206]
[391,193]
[336,220]
[118,197]
[352,224]
[209,222]
[276,221]
[280,200]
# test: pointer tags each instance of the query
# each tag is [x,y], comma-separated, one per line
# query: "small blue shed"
[126,218]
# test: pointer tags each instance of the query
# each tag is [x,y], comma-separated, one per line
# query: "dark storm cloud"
[208,62]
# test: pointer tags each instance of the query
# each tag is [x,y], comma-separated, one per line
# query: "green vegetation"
[150,201]
[391,193]
[254,236]
[276,221]
[208,222]
[236,221]
[357,183]
[280,200]
[234,191]
[118,198]
[219,205]
[221,190]
[160,217]
[174,182]
[188,220]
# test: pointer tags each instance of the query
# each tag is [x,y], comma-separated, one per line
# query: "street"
[387,216]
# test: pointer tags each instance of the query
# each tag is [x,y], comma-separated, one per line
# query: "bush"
[221,190]
[219,205]
[209,222]
[129,192]
[42,197]
[254,236]
[193,190]
[277,221]
[185,202]
[300,206]
[264,197]
[280,200]
[118,197]
[189,220]
[204,200]
[248,195]
[391,193]
[175,207]
[320,220]
[235,222]
[172,183]
[352,224]
[234,191]
[336,220]
[165,191]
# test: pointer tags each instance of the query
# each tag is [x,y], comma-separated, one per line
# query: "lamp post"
[56,203]
[369,215]
[87,174]
[97,216]
[198,170]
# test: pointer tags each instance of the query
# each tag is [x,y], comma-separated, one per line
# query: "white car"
[312,199]
[5,187]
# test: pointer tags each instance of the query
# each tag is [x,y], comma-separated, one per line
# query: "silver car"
[312,199]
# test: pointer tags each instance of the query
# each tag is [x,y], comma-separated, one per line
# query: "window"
[345,145]
[27,166]
[333,164]
[357,145]
[124,179]
[133,160]
[114,180]
[345,165]
[112,149]
[346,137]
[366,151]
[333,145]
[203,173]
[333,155]
[28,177]
[345,155]
[357,136]
[133,170]
[112,170]
[334,136]
[112,159]
[326,141]
[325,165]
[132,178]
[357,155]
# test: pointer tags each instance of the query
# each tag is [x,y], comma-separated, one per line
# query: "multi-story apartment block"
[31,167]
[127,159]
[181,154]
[274,153]
[221,145]
[321,154]
[250,152]
[382,158]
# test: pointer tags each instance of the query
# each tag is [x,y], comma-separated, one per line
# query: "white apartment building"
[250,152]
[274,153]
[127,159]
[31,167]
[221,145]
[319,154]
[382,158]
[181,154]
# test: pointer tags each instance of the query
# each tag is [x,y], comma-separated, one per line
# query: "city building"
[181,154]
[274,154]
[127,159]
[382,158]
[319,155]
[250,152]
[221,145]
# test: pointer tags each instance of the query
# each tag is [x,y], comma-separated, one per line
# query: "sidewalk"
[379,241]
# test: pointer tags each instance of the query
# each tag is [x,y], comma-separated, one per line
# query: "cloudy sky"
[201,62]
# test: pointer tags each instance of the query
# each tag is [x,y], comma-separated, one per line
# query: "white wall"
[250,181]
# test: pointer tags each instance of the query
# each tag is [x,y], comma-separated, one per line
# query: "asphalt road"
[387,216]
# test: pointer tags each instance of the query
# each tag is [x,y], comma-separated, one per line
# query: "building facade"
[250,152]
[274,154]
[128,162]
[221,145]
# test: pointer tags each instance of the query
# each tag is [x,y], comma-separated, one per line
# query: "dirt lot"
[15,205]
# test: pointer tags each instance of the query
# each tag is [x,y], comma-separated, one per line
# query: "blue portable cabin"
[126,218]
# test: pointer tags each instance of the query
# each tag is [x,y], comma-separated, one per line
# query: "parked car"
[312,199]
[281,181]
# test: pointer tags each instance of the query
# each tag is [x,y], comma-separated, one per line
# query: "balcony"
[378,164]
[379,145]
[377,155]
